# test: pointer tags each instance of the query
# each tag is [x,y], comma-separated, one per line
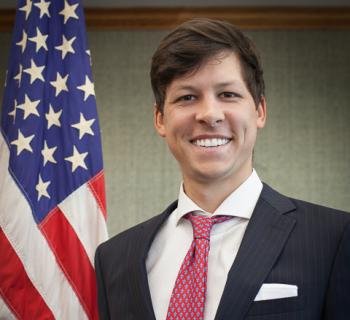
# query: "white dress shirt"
[173,240]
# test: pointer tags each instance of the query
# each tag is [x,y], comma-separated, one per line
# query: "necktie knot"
[202,225]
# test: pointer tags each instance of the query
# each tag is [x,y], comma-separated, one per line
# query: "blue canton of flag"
[49,111]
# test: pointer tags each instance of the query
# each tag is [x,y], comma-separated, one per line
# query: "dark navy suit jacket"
[287,241]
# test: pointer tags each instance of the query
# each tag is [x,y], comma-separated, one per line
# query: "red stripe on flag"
[16,288]
[97,186]
[72,259]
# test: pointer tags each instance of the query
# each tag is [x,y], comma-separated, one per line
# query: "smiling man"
[230,247]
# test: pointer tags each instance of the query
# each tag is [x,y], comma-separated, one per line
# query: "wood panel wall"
[245,17]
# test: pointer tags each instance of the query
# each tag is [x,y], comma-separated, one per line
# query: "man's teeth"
[211,142]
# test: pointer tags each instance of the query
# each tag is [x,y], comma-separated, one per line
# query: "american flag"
[52,199]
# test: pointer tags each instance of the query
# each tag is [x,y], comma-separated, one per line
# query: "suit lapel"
[264,239]
[137,265]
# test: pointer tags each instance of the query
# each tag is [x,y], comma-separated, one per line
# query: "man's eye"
[228,95]
[187,97]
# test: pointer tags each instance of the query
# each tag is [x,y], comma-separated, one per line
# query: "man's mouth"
[210,143]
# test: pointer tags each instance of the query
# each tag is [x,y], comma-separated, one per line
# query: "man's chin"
[209,175]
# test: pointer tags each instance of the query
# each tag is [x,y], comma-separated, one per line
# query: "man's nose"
[209,112]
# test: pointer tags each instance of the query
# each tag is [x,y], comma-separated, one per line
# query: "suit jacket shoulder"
[133,233]
[282,202]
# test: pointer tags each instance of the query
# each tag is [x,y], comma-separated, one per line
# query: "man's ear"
[158,120]
[261,113]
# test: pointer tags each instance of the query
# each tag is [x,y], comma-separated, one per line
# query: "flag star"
[60,84]
[39,39]
[44,8]
[77,159]
[27,8]
[53,118]
[88,52]
[66,46]
[41,187]
[23,42]
[18,76]
[13,112]
[84,126]
[47,153]
[23,143]
[69,11]
[35,72]
[88,88]
[29,107]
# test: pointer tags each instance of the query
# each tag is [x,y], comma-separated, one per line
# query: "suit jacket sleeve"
[338,296]
[103,309]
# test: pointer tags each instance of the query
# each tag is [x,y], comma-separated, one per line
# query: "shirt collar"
[240,203]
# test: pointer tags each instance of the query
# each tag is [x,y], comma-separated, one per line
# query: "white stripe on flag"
[32,248]
[5,312]
[86,218]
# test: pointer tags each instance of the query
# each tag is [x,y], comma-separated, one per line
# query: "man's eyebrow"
[183,87]
[227,83]
[217,86]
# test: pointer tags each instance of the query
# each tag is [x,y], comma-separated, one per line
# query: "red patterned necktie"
[188,296]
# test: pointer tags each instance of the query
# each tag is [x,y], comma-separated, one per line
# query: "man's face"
[210,122]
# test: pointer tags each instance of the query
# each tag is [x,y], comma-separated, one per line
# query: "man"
[270,257]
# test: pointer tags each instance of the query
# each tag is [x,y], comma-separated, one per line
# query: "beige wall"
[304,151]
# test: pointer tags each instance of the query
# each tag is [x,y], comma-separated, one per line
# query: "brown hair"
[184,50]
